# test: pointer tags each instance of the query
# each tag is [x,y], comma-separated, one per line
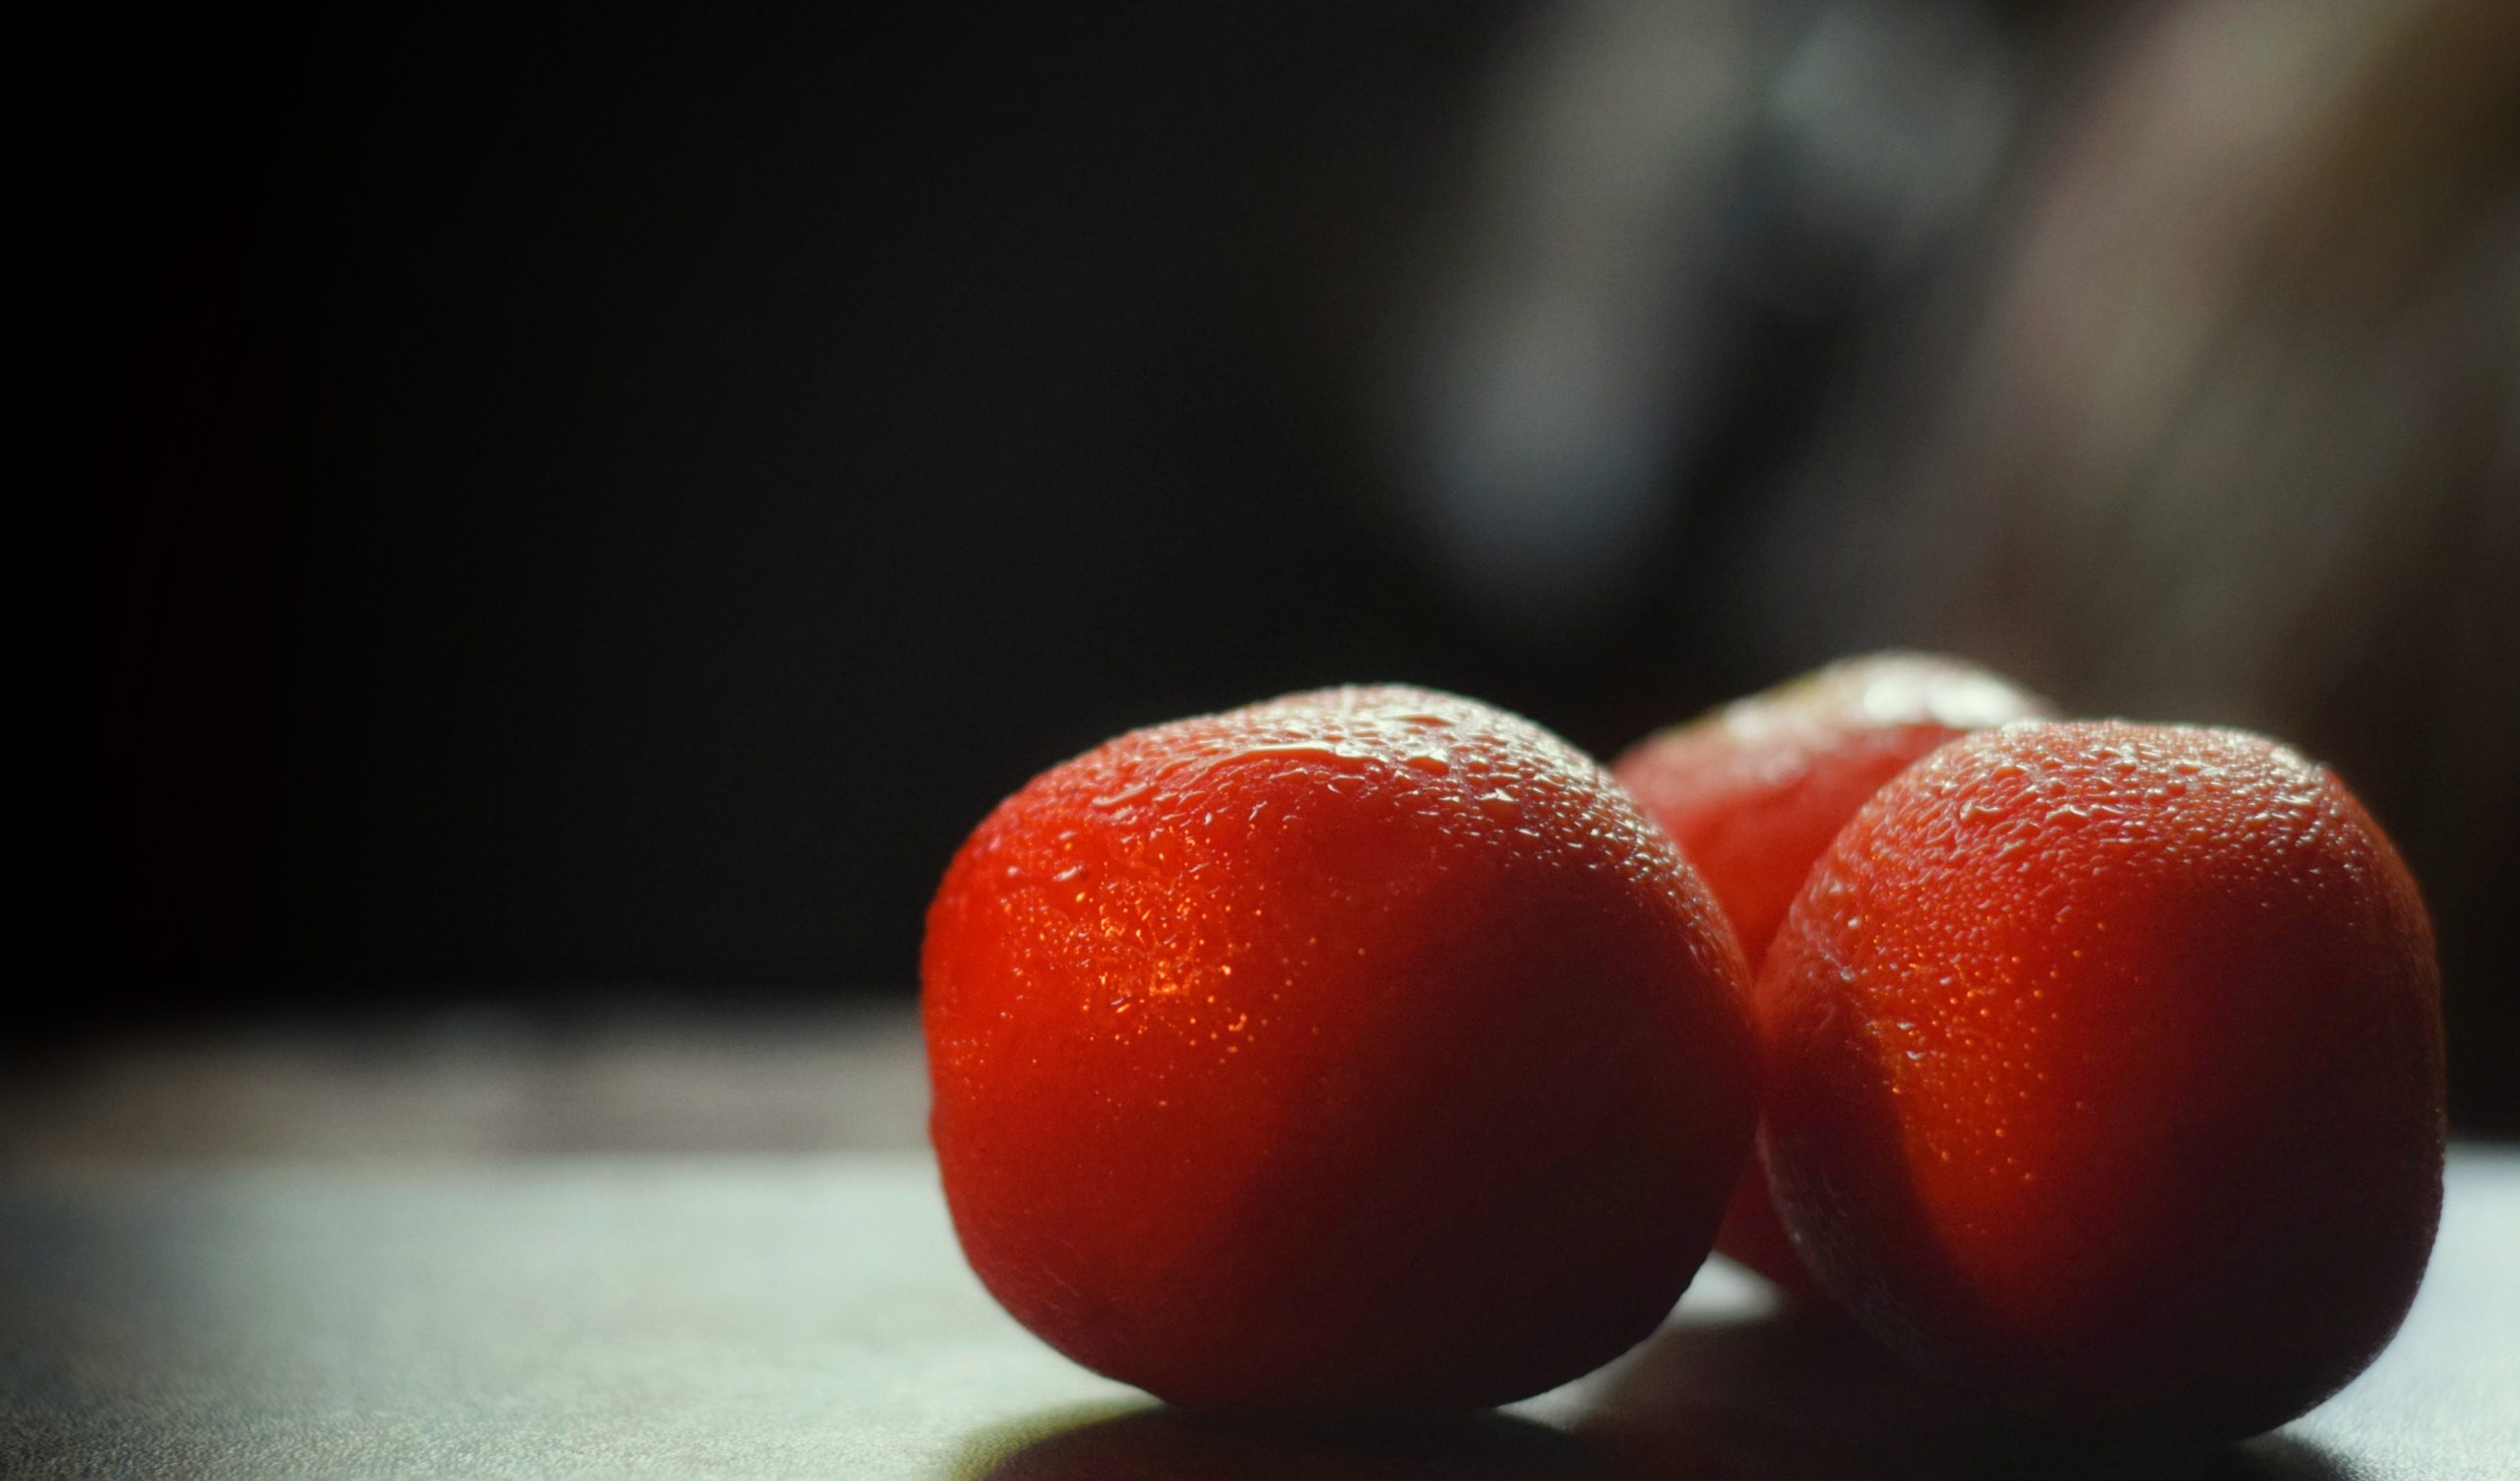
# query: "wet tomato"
[2104,1075]
[1360,1050]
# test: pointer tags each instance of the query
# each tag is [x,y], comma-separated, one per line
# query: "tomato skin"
[1754,792]
[1360,1050]
[2106,1075]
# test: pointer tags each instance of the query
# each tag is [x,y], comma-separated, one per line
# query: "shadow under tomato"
[1797,1396]
[1172,1445]
[1803,1396]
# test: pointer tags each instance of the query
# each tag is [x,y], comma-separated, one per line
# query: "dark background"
[614,497]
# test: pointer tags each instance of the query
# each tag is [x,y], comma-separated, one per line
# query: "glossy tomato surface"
[1360,1050]
[2106,1075]
[1754,792]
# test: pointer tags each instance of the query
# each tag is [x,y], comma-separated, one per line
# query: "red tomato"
[2106,1075]
[1363,1049]
[1754,792]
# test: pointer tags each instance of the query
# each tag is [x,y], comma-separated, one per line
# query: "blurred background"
[576,516]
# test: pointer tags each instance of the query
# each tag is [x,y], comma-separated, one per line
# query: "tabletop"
[282,1306]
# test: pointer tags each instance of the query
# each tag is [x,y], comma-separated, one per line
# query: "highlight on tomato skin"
[1754,791]
[1362,1050]
[2106,1076]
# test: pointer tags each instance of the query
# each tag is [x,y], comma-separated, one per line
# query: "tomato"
[1364,1049]
[2106,1075]
[1754,792]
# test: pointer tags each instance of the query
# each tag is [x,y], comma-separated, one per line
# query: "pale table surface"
[180,1304]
